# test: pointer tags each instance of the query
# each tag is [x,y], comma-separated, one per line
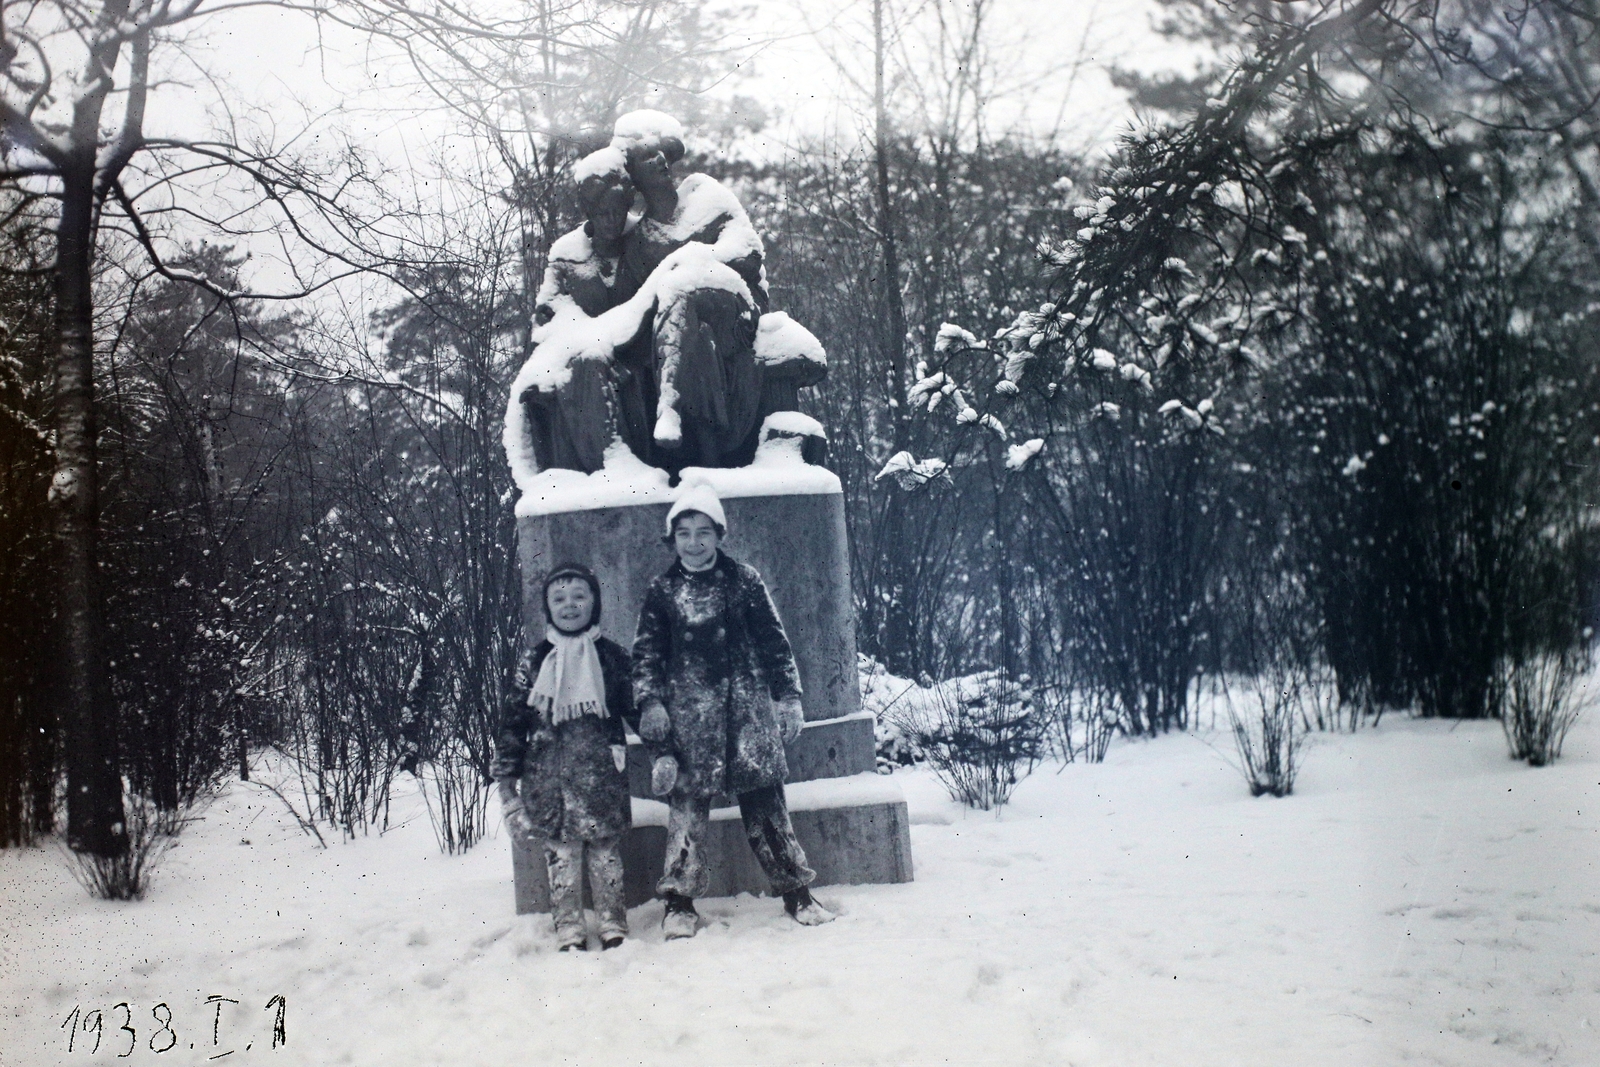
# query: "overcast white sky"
[1037,44]
[278,70]
[271,57]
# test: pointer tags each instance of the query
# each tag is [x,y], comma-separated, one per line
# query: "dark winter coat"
[569,784]
[711,648]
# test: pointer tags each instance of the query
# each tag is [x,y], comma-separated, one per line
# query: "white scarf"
[570,683]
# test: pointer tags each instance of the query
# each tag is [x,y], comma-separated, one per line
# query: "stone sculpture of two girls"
[645,326]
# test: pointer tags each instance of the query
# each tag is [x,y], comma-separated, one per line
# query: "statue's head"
[652,142]
[605,193]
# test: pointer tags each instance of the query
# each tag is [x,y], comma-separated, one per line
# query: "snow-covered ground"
[1420,899]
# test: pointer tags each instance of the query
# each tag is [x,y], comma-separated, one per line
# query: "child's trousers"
[564,859]
[765,813]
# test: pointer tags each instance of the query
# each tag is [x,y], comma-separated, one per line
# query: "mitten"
[516,819]
[791,718]
[663,775]
[654,724]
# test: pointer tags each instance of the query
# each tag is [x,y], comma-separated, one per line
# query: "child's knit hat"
[702,498]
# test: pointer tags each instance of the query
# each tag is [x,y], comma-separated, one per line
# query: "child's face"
[571,604]
[695,539]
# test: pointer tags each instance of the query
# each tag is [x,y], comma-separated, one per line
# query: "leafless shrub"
[1080,721]
[1543,695]
[457,799]
[344,773]
[1323,708]
[306,820]
[1269,734]
[152,830]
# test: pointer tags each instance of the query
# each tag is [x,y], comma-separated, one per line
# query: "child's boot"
[681,920]
[804,909]
[663,775]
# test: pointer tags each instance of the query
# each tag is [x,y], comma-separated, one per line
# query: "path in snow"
[1421,899]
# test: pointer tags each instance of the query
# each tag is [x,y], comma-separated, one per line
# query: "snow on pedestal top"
[626,480]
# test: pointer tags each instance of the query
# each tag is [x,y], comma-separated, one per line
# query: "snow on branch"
[1018,456]
[911,473]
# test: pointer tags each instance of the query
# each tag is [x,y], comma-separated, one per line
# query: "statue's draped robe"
[702,342]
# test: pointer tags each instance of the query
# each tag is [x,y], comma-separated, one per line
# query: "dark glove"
[654,724]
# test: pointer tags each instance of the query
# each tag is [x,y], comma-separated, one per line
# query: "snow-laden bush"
[893,748]
[152,830]
[1542,697]
[894,703]
[984,742]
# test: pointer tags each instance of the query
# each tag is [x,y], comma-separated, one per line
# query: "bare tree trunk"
[94,784]
[898,639]
[94,781]
[893,302]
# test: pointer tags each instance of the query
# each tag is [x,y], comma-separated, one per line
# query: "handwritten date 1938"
[87,1030]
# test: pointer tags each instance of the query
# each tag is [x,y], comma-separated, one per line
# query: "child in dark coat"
[562,740]
[716,682]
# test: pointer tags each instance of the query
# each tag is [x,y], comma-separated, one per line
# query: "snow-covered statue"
[652,332]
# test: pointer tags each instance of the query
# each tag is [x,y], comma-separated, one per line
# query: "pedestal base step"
[855,832]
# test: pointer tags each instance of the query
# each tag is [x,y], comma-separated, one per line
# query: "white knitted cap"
[702,498]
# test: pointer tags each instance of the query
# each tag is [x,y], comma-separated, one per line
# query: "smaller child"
[561,739]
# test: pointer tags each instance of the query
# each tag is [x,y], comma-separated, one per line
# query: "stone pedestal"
[852,823]
[797,543]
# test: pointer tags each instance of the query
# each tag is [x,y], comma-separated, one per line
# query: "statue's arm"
[732,236]
[556,285]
